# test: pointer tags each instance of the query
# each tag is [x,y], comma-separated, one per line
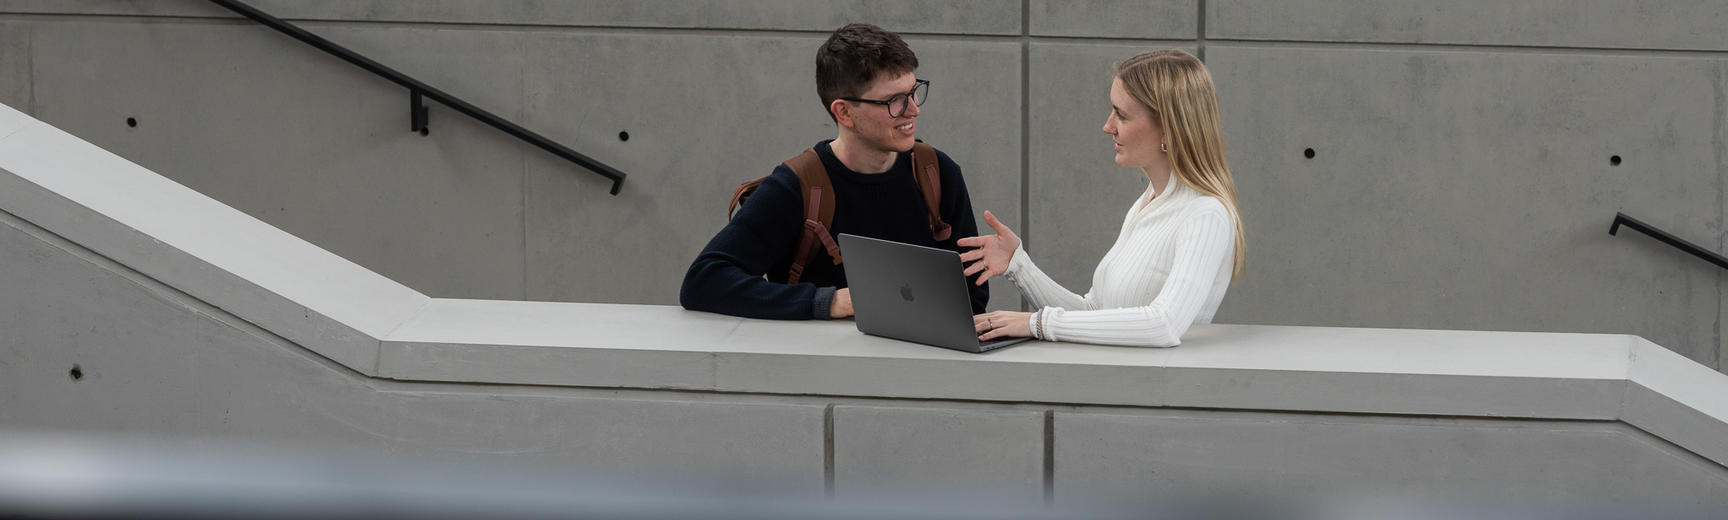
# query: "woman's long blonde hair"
[1176,86]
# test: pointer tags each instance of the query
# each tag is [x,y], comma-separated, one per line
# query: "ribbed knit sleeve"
[1039,287]
[1199,246]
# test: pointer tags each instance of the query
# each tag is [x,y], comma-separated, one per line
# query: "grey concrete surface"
[155,363]
[1078,195]
[15,56]
[1446,129]
[977,17]
[1669,385]
[330,143]
[931,449]
[973,116]
[1136,19]
[704,114]
[137,306]
[697,109]
[1169,454]
[1543,92]
[1480,199]
[1639,24]
[203,248]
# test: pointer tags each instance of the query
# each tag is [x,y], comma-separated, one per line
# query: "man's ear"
[842,112]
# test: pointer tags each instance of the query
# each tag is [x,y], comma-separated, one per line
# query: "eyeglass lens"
[897,104]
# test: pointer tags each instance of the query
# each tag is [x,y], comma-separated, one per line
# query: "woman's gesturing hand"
[990,253]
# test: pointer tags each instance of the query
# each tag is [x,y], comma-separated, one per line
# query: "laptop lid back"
[909,292]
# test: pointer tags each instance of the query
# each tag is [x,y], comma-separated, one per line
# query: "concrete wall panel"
[930,449]
[1078,195]
[156,363]
[1473,190]
[1640,24]
[1138,19]
[215,103]
[971,116]
[239,112]
[15,65]
[1268,455]
[912,16]
[704,114]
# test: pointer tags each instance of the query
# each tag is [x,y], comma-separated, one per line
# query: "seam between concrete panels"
[170,295]
[1464,47]
[418,385]
[828,450]
[30,68]
[1200,29]
[819,32]
[386,341]
[523,78]
[1025,128]
[1719,132]
[1049,456]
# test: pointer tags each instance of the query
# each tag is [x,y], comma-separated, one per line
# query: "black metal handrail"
[1664,237]
[417,89]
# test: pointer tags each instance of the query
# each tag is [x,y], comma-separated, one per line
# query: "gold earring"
[1162,147]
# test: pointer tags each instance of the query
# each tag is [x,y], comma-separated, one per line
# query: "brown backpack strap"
[818,213]
[927,171]
[738,195]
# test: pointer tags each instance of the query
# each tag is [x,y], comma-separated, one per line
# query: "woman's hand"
[990,254]
[1002,324]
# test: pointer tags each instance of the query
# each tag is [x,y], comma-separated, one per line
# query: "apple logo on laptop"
[906,292]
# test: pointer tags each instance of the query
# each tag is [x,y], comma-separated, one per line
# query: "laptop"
[912,293]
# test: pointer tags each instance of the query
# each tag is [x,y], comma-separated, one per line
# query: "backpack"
[819,203]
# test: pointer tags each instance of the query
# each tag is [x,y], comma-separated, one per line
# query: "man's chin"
[906,143]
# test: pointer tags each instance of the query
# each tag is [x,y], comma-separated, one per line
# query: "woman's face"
[1134,130]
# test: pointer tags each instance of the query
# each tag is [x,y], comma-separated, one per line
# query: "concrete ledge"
[1462,373]
[377,327]
[197,245]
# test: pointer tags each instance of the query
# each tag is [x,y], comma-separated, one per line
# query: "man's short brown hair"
[853,56]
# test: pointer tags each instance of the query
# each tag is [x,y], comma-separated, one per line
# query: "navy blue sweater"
[728,276]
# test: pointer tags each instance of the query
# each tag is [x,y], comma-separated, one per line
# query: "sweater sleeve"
[1202,244]
[956,209]
[727,276]
[1039,287]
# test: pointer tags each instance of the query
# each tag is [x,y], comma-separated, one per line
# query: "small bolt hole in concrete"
[623,136]
[131,122]
[1309,153]
[1614,161]
[77,373]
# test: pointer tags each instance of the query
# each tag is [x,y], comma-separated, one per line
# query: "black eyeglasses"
[897,103]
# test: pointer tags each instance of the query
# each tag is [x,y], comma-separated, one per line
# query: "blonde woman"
[1181,241]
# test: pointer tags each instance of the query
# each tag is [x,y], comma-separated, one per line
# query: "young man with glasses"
[864,75]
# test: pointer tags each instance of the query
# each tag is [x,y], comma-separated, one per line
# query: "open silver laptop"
[911,293]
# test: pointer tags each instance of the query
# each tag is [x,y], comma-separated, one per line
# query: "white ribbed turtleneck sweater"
[1167,271]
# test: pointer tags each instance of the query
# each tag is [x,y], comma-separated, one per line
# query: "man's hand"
[841,307]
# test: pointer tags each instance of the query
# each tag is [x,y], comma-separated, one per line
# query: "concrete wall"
[154,363]
[1461,177]
[136,308]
